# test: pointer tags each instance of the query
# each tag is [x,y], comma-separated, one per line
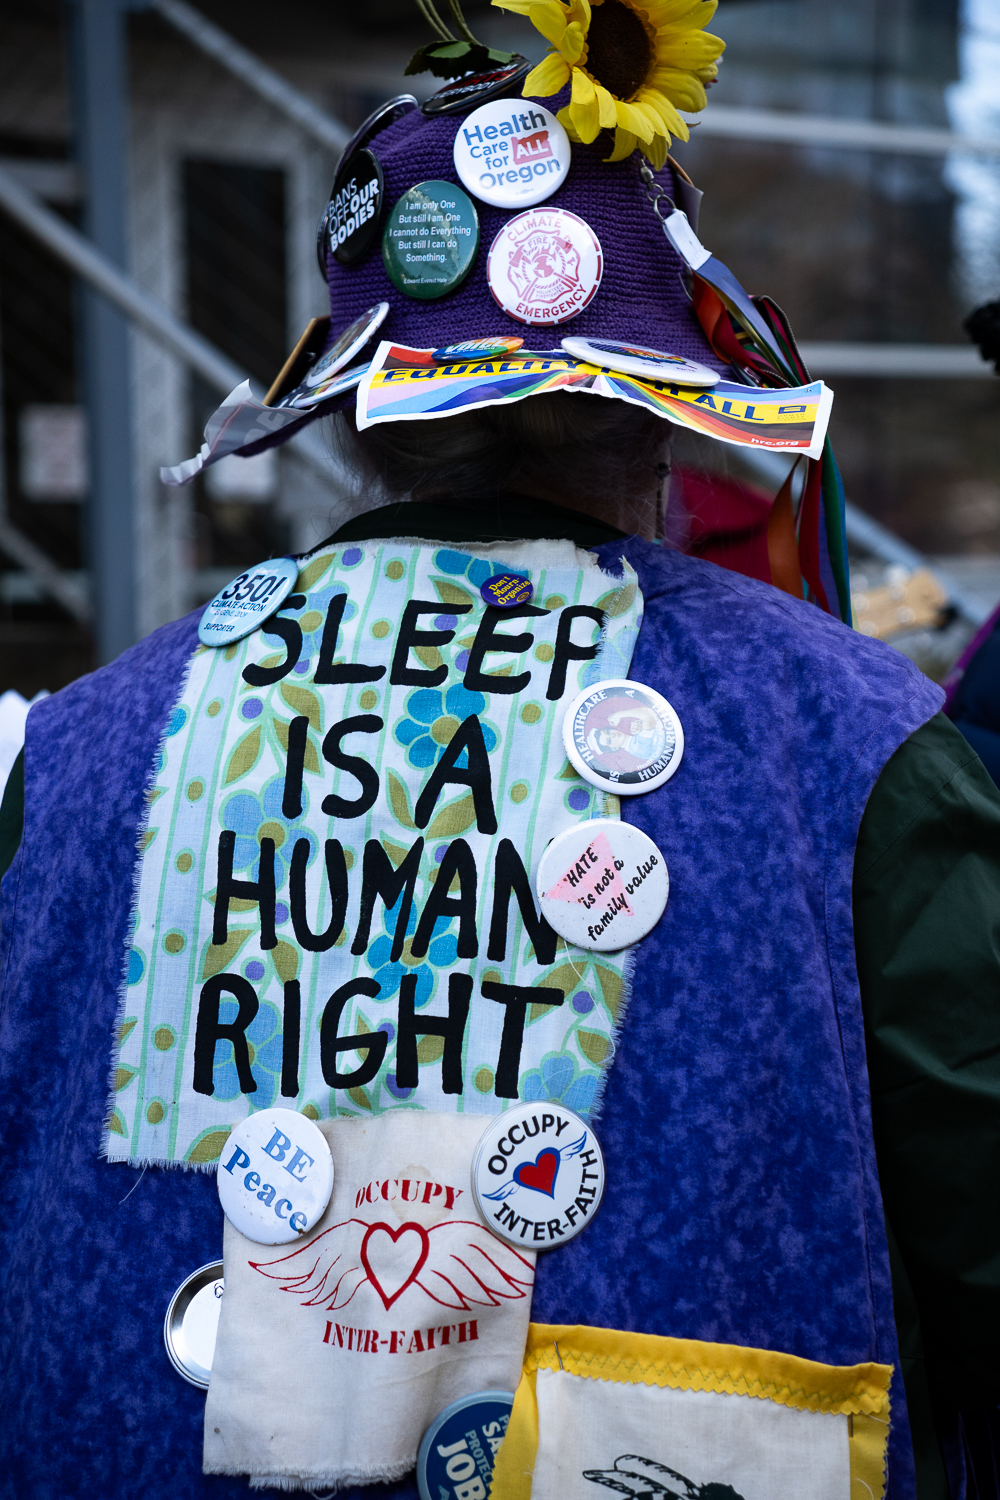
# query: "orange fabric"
[782,543]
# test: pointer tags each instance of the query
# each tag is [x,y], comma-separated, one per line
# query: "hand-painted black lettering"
[336,875]
[298,738]
[457,863]
[403,675]
[291,1029]
[327,670]
[209,1030]
[488,638]
[509,875]
[381,878]
[451,1027]
[516,998]
[475,774]
[372,1043]
[566,651]
[291,633]
[342,807]
[260,890]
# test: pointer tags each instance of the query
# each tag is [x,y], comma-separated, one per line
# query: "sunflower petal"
[548,78]
[625,144]
[664,111]
[682,89]
[573,42]
[693,13]
[548,17]
[690,49]
[606,106]
[633,120]
[521,6]
[584,108]
[580,12]
[566,121]
[656,151]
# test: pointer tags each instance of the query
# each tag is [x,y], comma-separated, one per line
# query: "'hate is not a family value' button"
[275,1176]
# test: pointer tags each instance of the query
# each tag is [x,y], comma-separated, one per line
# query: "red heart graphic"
[541,1173]
[390,1270]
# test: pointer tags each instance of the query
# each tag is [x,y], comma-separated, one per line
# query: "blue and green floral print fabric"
[335,907]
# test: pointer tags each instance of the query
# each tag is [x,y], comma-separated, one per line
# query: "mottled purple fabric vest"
[742,1202]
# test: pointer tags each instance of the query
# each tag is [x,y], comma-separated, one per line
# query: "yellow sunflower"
[632,64]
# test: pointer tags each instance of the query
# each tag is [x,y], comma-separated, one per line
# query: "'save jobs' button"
[455,1459]
[275,1176]
[538,1175]
[602,884]
[242,605]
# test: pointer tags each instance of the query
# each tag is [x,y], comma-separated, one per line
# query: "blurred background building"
[850,159]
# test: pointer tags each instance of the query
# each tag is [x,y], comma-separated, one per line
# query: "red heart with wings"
[539,1174]
[390,1266]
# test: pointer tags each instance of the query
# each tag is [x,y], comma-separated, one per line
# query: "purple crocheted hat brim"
[642,296]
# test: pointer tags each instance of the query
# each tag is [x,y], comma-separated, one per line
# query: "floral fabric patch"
[335,903]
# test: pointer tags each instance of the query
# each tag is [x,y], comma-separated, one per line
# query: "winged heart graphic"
[458,1264]
[645,1479]
[540,1175]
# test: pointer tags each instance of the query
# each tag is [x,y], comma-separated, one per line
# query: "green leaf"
[400,801]
[310,760]
[219,958]
[286,961]
[452,59]
[313,571]
[454,818]
[396,852]
[430,656]
[208,1147]
[360,1098]
[147,839]
[125,1027]
[123,1077]
[565,978]
[612,985]
[569,773]
[430,1048]
[451,593]
[594,1046]
[303,702]
[117,1123]
[244,757]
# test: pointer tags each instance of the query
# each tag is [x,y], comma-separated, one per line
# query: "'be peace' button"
[275,1176]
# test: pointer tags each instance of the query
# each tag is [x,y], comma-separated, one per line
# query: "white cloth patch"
[597,1436]
[292,941]
[334,1356]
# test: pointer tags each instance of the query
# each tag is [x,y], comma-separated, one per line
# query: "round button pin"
[192,1323]
[275,1176]
[538,1175]
[246,603]
[321,381]
[380,119]
[476,88]
[602,885]
[350,221]
[512,153]
[430,240]
[633,359]
[472,349]
[545,266]
[506,590]
[623,737]
[459,1448]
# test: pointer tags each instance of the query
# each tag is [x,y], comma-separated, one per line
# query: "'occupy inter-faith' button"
[602,884]
[512,153]
[275,1176]
[538,1175]
[246,603]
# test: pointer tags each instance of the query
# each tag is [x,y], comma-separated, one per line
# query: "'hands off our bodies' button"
[275,1176]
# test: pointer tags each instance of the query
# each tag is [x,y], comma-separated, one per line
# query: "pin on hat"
[512,153]
[275,1176]
[538,1175]
[545,266]
[633,359]
[192,1323]
[473,349]
[602,885]
[623,736]
[459,1448]
[246,603]
[430,240]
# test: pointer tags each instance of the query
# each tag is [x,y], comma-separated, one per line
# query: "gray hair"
[585,448]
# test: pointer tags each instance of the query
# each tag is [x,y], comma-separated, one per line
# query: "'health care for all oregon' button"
[507,590]
[275,1176]
[623,737]
[246,603]
[430,240]
[602,884]
[634,359]
[512,153]
[545,266]
[538,1175]
[459,1448]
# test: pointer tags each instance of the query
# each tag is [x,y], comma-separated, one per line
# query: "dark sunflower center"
[618,49]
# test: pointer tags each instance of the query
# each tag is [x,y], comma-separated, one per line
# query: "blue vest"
[742,1203]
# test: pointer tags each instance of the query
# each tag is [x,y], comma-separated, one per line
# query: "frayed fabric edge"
[331,1481]
[106,1128]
